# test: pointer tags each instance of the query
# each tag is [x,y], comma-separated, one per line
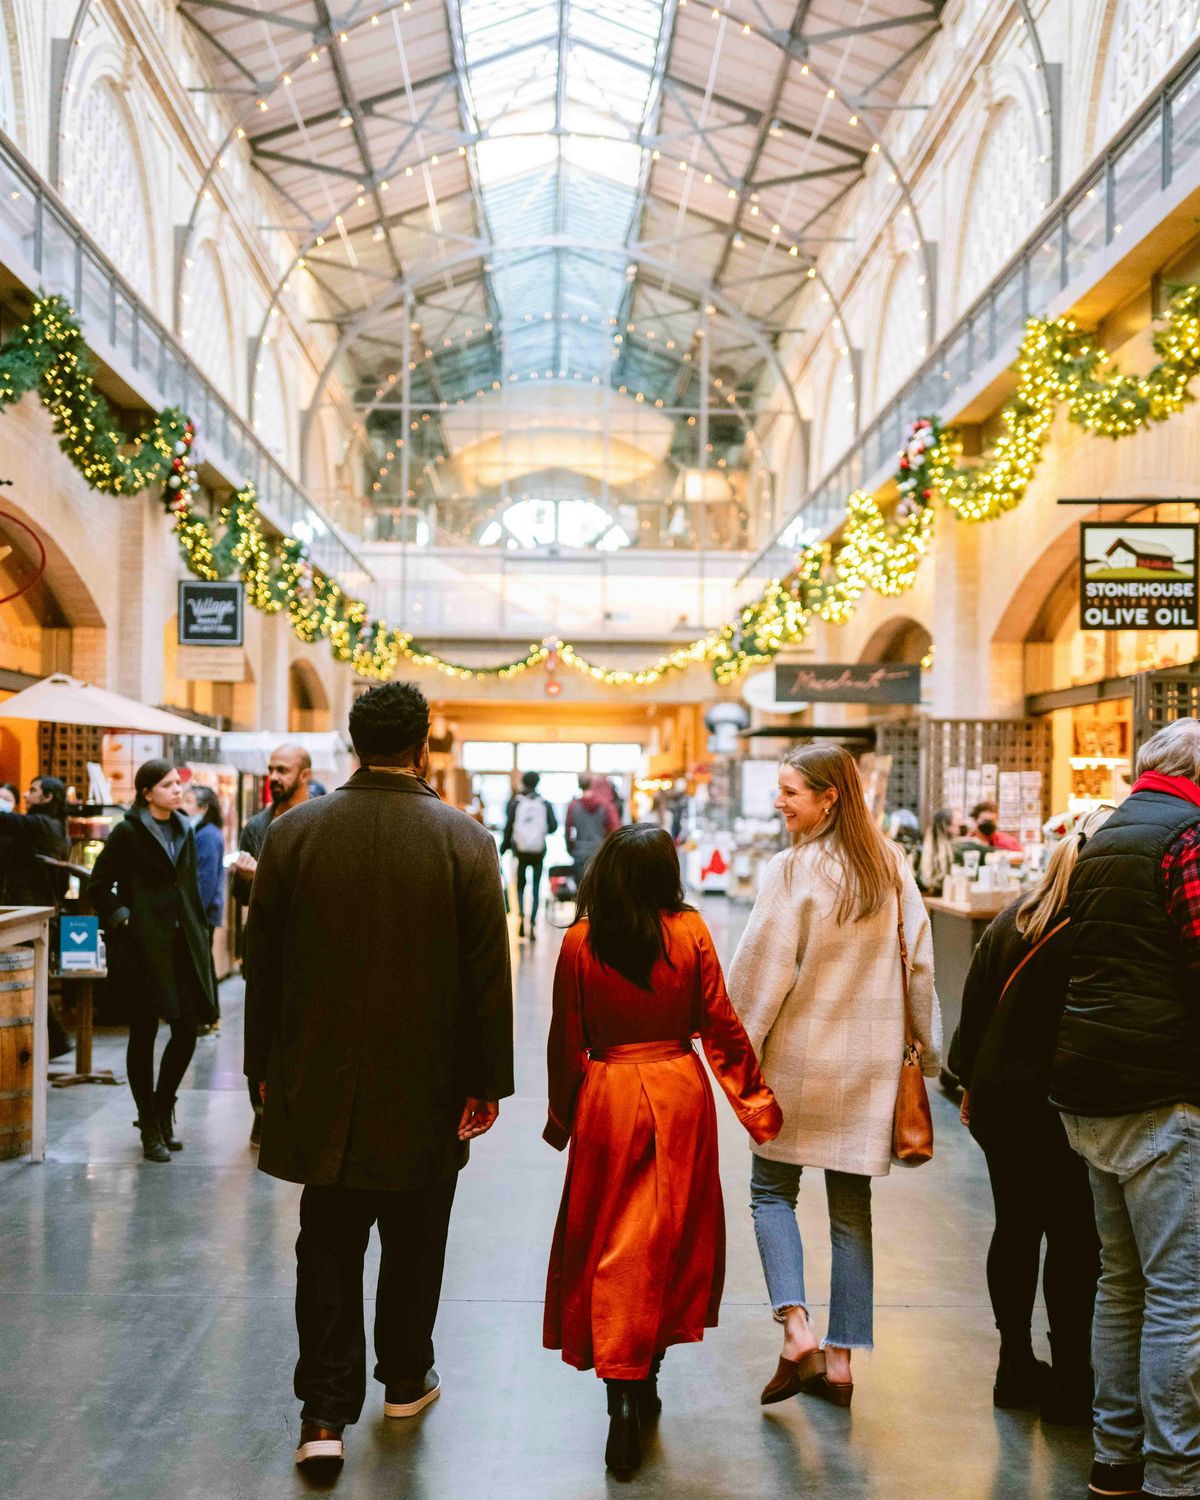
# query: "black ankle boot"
[623,1453]
[166,1123]
[648,1400]
[153,1146]
[1067,1398]
[1021,1379]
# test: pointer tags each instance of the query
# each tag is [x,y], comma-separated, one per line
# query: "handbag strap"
[910,1039]
[1041,943]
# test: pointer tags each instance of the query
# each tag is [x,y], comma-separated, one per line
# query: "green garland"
[1057,364]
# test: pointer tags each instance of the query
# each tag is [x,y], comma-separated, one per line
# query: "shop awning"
[65,700]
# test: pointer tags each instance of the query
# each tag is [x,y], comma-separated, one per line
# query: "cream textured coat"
[823,1007]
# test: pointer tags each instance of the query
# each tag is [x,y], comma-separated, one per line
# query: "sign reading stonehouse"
[839,682]
[1139,577]
[210,614]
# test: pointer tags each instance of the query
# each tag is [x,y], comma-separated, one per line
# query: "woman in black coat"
[1005,1047]
[26,881]
[145,889]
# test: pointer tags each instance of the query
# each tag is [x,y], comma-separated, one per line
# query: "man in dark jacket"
[1127,1080]
[379,1024]
[289,777]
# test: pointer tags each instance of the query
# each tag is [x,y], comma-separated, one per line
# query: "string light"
[1058,364]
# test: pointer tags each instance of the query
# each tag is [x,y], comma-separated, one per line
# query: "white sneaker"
[412,1396]
[319,1443]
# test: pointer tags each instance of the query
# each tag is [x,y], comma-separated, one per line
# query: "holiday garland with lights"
[1058,364]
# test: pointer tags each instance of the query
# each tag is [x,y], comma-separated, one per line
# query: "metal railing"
[63,258]
[1161,138]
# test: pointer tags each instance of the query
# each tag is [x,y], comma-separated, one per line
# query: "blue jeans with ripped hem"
[1145,1175]
[774,1189]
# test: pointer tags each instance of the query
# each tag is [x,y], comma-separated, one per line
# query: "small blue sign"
[78,943]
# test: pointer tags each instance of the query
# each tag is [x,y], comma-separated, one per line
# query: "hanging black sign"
[1137,577]
[840,682]
[210,614]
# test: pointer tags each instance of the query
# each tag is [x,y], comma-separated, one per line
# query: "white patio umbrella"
[65,700]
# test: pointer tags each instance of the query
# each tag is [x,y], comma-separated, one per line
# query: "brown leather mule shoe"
[793,1376]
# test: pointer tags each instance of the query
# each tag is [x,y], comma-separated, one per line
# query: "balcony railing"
[1143,160]
[64,259]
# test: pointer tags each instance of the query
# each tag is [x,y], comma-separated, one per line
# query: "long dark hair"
[210,806]
[632,882]
[56,794]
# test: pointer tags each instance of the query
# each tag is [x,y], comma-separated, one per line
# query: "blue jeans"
[1145,1175]
[774,1188]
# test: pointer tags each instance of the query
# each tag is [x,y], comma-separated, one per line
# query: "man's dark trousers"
[335,1226]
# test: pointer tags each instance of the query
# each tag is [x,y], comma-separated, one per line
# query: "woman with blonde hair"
[817,982]
[1011,1009]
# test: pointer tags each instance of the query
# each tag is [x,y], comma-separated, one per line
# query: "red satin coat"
[638,1260]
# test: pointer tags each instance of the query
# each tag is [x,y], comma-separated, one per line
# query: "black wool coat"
[141,898]
[378,985]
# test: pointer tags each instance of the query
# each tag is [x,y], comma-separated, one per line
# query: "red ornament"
[553,687]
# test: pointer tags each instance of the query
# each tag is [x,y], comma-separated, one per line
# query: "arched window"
[1005,198]
[836,432]
[105,184]
[562,523]
[273,412]
[1147,36]
[207,332]
[903,332]
[8,103]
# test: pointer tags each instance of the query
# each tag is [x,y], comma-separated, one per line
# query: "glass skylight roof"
[537,182]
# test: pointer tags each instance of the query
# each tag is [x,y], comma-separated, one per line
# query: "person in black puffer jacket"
[1005,1047]
[1126,1078]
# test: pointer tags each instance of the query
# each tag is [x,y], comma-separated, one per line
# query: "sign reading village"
[1139,577]
[210,614]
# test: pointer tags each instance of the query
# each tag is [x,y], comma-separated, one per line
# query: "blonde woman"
[817,983]
[1012,1006]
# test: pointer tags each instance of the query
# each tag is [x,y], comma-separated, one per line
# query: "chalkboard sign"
[210,614]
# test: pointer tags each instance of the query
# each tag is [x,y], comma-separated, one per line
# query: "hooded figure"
[590,820]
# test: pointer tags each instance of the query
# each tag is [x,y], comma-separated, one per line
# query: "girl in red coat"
[639,1249]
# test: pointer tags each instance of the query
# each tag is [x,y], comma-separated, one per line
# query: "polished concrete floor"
[147,1343]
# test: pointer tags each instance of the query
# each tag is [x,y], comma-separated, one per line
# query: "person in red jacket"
[638,1261]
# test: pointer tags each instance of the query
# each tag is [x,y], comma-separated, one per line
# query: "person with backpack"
[529,824]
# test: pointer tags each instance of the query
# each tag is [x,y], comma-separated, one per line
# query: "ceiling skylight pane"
[562,161]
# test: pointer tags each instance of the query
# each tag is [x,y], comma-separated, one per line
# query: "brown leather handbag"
[912,1126]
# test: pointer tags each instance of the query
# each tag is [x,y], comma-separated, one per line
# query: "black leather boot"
[649,1401]
[1021,1379]
[1067,1398]
[153,1146]
[166,1123]
[623,1453]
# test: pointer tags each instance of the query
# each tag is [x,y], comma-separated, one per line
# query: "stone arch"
[901,638]
[1003,182]
[105,176]
[308,701]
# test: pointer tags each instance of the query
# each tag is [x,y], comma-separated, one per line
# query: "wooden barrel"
[16,1052]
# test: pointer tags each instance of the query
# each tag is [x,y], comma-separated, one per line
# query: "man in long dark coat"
[379,1024]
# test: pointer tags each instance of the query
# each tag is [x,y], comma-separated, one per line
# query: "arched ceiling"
[482,159]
